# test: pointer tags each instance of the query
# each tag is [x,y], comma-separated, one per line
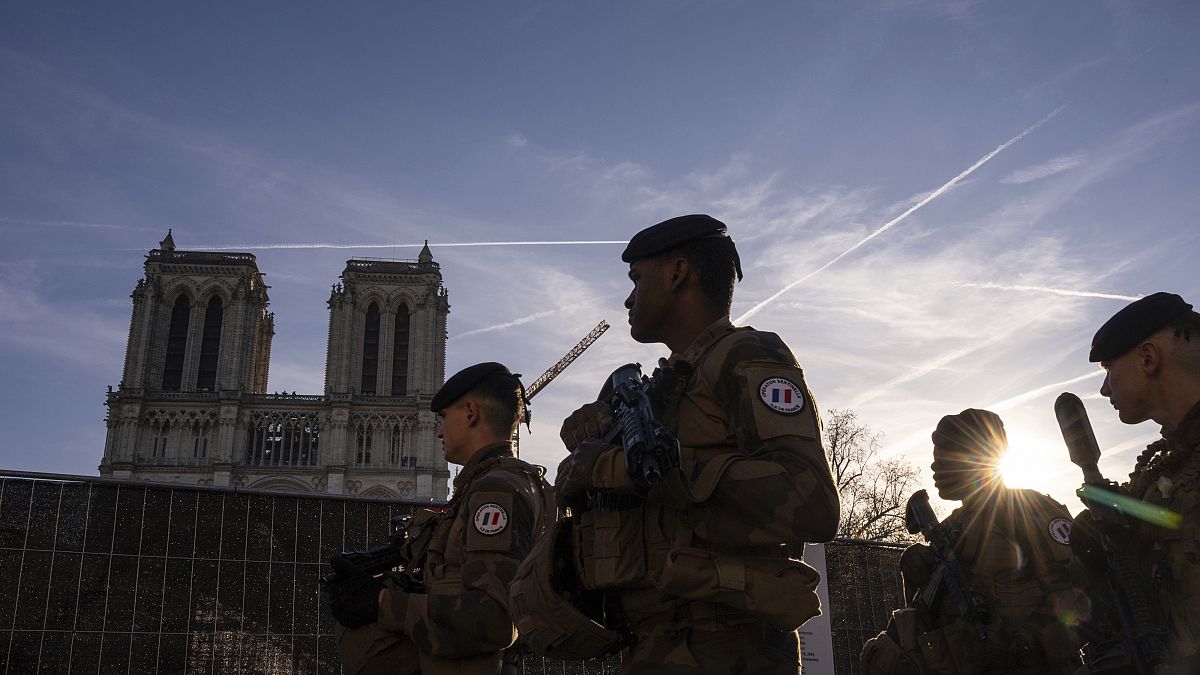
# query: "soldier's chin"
[640,334]
[1130,416]
[950,492]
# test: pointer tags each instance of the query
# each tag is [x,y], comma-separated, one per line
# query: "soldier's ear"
[677,272]
[471,412]
[1151,357]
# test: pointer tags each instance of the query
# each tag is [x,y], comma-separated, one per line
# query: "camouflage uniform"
[1168,475]
[461,623]
[1017,555]
[701,568]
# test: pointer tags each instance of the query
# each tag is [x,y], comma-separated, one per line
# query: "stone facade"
[192,405]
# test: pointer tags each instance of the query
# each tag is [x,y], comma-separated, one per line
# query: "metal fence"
[107,576]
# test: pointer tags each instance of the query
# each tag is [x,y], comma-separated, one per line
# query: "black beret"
[972,430]
[1134,322]
[464,381]
[675,232]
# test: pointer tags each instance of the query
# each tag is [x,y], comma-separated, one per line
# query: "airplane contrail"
[928,367]
[912,209]
[264,247]
[510,324]
[1014,401]
[325,245]
[69,223]
[1055,291]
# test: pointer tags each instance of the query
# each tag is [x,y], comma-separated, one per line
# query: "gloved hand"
[591,420]
[593,464]
[916,566]
[354,599]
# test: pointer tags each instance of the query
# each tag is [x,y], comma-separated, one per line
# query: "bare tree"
[873,491]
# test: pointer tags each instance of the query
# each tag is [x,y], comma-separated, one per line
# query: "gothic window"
[370,350]
[399,454]
[283,439]
[362,446]
[176,344]
[200,448]
[210,344]
[160,445]
[400,353]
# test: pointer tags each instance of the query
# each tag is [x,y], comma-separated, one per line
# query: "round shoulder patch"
[781,395]
[491,518]
[1060,530]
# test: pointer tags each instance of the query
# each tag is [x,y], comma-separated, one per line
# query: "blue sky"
[954,194]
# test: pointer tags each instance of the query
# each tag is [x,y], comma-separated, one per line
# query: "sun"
[1028,459]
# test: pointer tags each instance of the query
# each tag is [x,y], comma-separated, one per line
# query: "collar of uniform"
[498,449]
[1188,431]
[715,331]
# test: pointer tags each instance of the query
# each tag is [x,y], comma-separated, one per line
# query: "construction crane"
[554,371]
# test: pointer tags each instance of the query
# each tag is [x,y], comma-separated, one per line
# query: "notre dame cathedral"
[192,406]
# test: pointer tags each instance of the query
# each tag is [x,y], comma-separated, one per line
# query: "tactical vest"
[652,545]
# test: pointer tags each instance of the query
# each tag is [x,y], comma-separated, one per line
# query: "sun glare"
[1029,460]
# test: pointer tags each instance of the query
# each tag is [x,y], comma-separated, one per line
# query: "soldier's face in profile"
[956,473]
[1123,386]
[451,425]
[648,302]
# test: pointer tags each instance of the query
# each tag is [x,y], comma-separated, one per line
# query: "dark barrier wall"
[100,576]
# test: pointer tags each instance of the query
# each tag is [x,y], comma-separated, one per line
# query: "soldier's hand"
[1087,544]
[354,600]
[916,566]
[593,465]
[590,421]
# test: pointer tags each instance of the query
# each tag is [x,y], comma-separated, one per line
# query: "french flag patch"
[491,518]
[781,395]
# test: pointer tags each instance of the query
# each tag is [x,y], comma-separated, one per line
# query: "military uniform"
[1170,477]
[1167,474]
[1016,553]
[461,624]
[701,569]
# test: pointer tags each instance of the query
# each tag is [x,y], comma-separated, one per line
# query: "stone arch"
[179,287]
[215,287]
[280,484]
[378,491]
[368,295]
[403,298]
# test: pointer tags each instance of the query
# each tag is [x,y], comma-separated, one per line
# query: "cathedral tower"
[192,404]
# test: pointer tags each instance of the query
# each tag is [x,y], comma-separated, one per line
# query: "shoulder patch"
[1060,530]
[781,395]
[491,519]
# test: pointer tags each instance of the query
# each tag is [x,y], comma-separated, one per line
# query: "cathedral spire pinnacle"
[425,256]
[168,242]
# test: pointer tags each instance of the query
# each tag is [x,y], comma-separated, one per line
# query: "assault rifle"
[405,552]
[947,573]
[1142,644]
[649,448]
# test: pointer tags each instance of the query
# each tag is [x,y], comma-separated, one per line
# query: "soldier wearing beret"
[460,621]
[1013,547]
[703,568]
[1150,351]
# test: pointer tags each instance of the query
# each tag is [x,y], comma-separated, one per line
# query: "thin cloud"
[1045,170]
[936,363]
[72,223]
[1017,400]
[456,244]
[1054,291]
[509,324]
[912,209]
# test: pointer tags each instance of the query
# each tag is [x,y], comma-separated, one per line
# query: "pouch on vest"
[609,550]
[781,591]
[948,650]
[882,656]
